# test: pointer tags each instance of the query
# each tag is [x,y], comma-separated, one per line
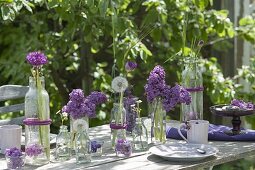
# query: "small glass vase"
[158,122]
[63,142]
[140,136]
[131,114]
[37,123]
[82,146]
[97,148]
[15,162]
[74,123]
[118,123]
[192,80]
[123,148]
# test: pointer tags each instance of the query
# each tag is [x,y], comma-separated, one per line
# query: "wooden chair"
[10,92]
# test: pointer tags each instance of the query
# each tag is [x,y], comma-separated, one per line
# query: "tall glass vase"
[192,80]
[118,123]
[37,123]
[158,122]
[75,124]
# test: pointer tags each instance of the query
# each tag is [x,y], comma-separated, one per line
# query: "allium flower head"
[130,65]
[13,152]
[37,58]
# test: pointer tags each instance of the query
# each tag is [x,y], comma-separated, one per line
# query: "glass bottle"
[82,146]
[140,136]
[158,122]
[118,123]
[192,80]
[63,142]
[37,123]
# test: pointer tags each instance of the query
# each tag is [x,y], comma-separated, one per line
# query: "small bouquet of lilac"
[242,105]
[123,148]
[163,99]
[14,157]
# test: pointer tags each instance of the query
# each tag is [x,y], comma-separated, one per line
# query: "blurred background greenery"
[79,36]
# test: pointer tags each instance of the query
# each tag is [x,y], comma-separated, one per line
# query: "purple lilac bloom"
[13,152]
[37,58]
[156,83]
[131,115]
[94,146]
[175,95]
[34,150]
[97,97]
[242,105]
[123,147]
[77,95]
[130,65]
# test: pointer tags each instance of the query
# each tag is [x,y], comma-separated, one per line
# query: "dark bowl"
[219,110]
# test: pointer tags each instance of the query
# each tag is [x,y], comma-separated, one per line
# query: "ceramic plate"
[183,152]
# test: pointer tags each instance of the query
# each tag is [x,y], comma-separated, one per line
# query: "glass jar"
[15,162]
[131,114]
[158,122]
[74,123]
[82,146]
[118,123]
[192,80]
[123,148]
[97,148]
[140,136]
[63,142]
[37,123]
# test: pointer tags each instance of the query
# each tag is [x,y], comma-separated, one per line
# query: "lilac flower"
[123,147]
[36,58]
[15,158]
[130,65]
[80,106]
[97,97]
[156,83]
[242,105]
[13,152]
[77,95]
[95,145]
[33,150]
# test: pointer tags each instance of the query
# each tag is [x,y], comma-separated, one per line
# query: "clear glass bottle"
[140,136]
[192,80]
[82,146]
[131,114]
[118,123]
[37,130]
[158,122]
[63,142]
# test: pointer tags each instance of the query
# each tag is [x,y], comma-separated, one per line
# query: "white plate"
[183,152]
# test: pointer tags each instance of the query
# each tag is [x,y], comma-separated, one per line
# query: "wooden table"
[228,151]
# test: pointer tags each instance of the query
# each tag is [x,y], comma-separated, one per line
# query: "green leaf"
[7,13]
[27,5]
[103,5]
[201,4]
[248,20]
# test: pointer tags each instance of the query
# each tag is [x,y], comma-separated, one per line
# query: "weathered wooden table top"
[228,151]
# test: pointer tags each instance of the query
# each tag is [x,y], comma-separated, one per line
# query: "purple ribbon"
[114,126]
[36,121]
[195,89]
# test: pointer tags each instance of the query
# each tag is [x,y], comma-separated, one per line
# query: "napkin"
[215,132]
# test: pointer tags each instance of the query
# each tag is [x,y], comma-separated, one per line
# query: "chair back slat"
[8,92]
[12,108]
[11,92]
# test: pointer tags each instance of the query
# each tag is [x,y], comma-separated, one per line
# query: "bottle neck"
[63,128]
[33,82]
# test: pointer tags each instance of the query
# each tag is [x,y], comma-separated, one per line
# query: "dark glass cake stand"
[235,113]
